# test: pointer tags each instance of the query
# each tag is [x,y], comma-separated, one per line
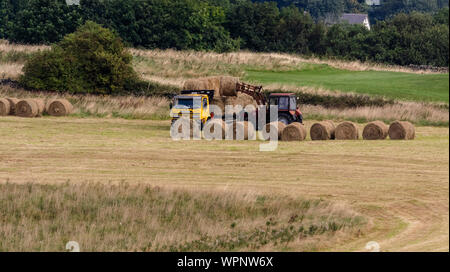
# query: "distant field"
[400,188]
[396,85]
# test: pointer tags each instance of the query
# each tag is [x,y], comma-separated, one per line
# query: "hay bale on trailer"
[324,130]
[228,85]
[27,108]
[376,130]
[273,126]
[402,130]
[346,131]
[5,107]
[205,83]
[59,107]
[12,104]
[294,132]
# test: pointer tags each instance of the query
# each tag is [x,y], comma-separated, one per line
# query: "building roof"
[354,18]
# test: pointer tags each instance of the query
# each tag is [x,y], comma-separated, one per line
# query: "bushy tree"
[44,21]
[91,60]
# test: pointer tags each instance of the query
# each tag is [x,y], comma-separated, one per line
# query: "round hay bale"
[205,83]
[294,132]
[12,105]
[322,131]
[27,108]
[241,99]
[242,130]
[228,85]
[346,131]
[5,107]
[402,130]
[41,105]
[214,129]
[59,107]
[376,130]
[273,126]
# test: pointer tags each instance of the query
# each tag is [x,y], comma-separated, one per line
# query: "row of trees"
[226,25]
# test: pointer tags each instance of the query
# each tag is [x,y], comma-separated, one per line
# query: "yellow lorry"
[192,104]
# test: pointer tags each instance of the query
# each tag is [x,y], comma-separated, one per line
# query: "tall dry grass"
[123,217]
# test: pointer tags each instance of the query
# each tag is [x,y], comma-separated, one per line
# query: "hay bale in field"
[12,105]
[243,130]
[27,108]
[41,105]
[376,130]
[5,107]
[402,130]
[59,107]
[322,131]
[273,126]
[214,129]
[346,131]
[228,85]
[294,132]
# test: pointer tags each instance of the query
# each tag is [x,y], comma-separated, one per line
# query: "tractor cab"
[288,112]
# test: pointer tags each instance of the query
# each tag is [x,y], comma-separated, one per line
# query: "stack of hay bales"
[324,130]
[224,91]
[294,132]
[346,131]
[376,130]
[401,130]
[34,107]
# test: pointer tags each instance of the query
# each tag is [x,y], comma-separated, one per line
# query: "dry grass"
[401,187]
[130,107]
[10,70]
[150,218]
[6,46]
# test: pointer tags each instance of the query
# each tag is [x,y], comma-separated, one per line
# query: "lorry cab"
[288,111]
[194,106]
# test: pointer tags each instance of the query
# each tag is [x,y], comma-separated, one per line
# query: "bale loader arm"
[253,91]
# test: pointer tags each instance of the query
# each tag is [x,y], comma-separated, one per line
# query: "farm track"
[401,187]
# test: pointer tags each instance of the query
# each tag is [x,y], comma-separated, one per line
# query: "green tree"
[91,60]
[44,21]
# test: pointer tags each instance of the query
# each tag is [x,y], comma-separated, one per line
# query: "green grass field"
[396,85]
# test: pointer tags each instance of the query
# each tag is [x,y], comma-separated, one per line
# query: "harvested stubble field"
[393,192]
